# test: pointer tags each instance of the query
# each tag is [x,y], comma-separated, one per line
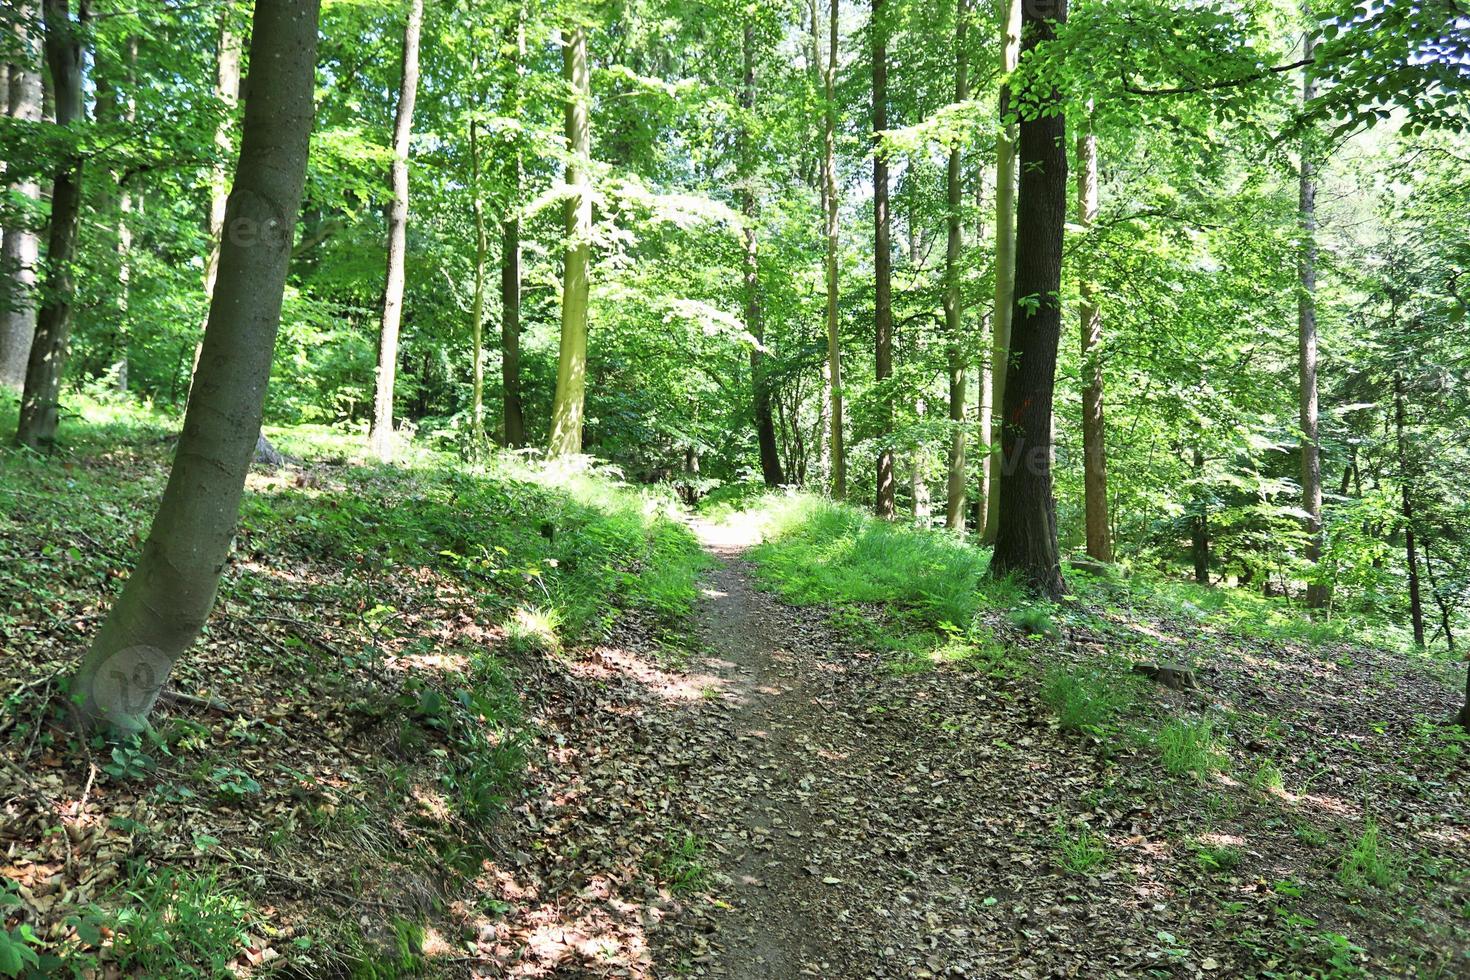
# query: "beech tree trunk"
[981,504]
[954,504]
[1005,262]
[382,437]
[227,90]
[40,400]
[477,306]
[765,423]
[1094,444]
[1199,528]
[837,445]
[171,592]
[1317,592]
[882,269]
[20,250]
[1026,535]
[512,418]
[1406,509]
[571,369]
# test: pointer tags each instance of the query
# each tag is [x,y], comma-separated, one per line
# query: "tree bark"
[1026,536]
[1317,593]
[1094,444]
[382,437]
[837,443]
[882,270]
[1406,506]
[40,400]
[21,248]
[512,417]
[954,505]
[571,369]
[981,505]
[765,425]
[227,90]
[171,592]
[477,306]
[1199,529]
[1005,261]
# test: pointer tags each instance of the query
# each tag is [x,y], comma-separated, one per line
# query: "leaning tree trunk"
[40,400]
[169,595]
[381,438]
[1005,262]
[837,445]
[765,423]
[882,270]
[571,367]
[21,250]
[1094,445]
[954,505]
[1307,350]
[512,416]
[1026,538]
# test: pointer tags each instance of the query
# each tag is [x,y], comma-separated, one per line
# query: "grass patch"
[1189,748]
[682,867]
[1086,700]
[1368,862]
[1081,852]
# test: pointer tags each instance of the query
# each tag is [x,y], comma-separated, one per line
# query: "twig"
[207,704]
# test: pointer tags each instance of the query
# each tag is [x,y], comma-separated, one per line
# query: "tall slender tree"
[1026,534]
[1005,257]
[381,439]
[571,368]
[40,400]
[765,423]
[227,90]
[954,508]
[1094,448]
[477,305]
[513,420]
[20,250]
[1307,340]
[882,267]
[836,438]
[170,594]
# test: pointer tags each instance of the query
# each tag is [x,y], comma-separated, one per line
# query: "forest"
[646,488]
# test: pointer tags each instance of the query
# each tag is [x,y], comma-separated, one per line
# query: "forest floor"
[517,722]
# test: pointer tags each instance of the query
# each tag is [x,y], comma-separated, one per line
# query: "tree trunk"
[1094,445]
[1005,262]
[1317,593]
[765,425]
[227,90]
[954,504]
[40,401]
[1026,536]
[981,504]
[882,269]
[169,595]
[477,306]
[571,368]
[512,418]
[381,439]
[127,206]
[1200,528]
[1406,504]
[838,447]
[21,249]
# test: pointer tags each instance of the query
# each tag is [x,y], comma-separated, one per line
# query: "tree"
[227,90]
[954,508]
[40,399]
[836,439]
[1005,259]
[1307,346]
[20,251]
[765,424]
[1094,443]
[381,437]
[169,596]
[882,268]
[1026,535]
[512,415]
[571,369]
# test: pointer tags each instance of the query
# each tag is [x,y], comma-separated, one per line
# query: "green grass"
[176,924]
[1368,862]
[1086,700]
[681,866]
[1189,748]
[1081,852]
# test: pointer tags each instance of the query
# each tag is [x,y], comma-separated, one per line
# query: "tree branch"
[1226,83]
